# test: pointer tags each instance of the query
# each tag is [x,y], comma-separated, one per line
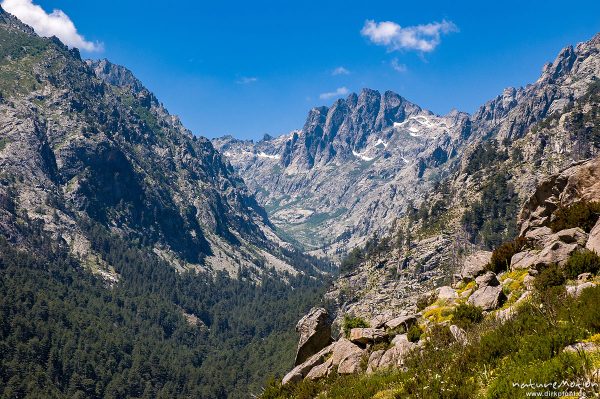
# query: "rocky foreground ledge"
[386,340]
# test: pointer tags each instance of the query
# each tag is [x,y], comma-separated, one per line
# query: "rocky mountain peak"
[10,22]
[385,152]
[115,75]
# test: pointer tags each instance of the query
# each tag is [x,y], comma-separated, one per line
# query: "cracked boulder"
[315,334]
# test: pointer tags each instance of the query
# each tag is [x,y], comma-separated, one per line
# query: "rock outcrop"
[315,334]
[474,264]
[88,147]
[580,182]
[300,371]
[364,336]
[593,242]
[487,297]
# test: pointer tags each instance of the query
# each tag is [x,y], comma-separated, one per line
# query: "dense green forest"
[66,333]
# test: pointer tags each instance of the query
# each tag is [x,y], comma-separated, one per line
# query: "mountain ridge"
[347,142]
[90,137]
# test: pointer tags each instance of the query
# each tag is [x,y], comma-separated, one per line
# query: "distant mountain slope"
[517,141]
[193,295]
[85,143]
[351,170]
[371,158]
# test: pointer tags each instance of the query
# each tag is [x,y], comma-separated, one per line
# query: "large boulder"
[315,334]
[487,279]
[474,264]
[395,356]
[553,248]
[344,349]
[487,298]
[351,364]
[575,235]
[558,252]
[320,371]
[524,260]
[580,182]
[403,321]
[302,370]
[539,237]
[374,360]
[346,356]
[593,242]
[365,336]
[447,294]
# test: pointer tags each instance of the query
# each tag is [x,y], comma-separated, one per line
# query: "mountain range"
[386,154]
[140,260]
[85,143]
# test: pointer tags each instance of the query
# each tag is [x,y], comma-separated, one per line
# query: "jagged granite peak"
[85,144]
[336,131]
[509,115]
[11,22]
[359,164]
[115,75]
[374,145]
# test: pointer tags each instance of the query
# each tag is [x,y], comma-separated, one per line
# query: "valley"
[418,255]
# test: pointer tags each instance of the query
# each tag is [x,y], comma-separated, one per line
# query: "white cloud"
[340,71]
[57,23]
[397,66]
[424,38]
[341,91]
[245,80]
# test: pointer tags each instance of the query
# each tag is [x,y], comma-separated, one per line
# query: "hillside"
[133,260]
[389,156]
[468,201]
[85,144]
[522,321]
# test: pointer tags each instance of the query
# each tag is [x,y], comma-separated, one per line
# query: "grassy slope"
[528,347]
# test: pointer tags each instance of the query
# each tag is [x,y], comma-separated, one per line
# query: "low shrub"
[466,315]
[414,333]
[580,214]
[584,261]
[502,255]
[551,276]
[353,322]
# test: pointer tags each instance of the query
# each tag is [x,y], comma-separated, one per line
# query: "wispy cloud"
[341,91]
[424,38]
[340,71]
[397,66]
[57,23]
[246,80]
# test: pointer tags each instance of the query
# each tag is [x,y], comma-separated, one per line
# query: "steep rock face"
[86,145]
[358,165]
[315,334]
[580,182]
[351,169]
[537,131]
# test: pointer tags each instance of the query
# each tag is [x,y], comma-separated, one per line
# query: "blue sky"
[248,68]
